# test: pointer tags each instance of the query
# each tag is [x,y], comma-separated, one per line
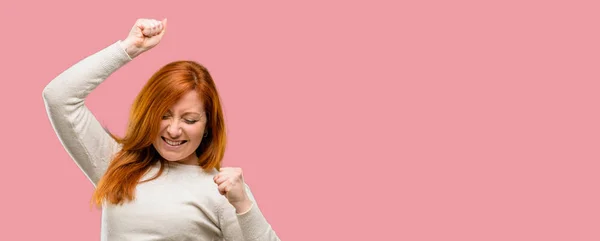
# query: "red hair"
[137,154]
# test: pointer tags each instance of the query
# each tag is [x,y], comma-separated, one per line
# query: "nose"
[174,130]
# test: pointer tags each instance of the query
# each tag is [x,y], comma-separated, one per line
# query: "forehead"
[188,102]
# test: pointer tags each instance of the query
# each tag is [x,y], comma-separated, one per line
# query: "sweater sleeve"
[80,133]
[248,226]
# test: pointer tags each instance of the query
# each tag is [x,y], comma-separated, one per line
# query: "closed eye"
[190,121]
[185,120]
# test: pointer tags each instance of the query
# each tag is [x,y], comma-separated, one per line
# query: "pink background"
[436,120]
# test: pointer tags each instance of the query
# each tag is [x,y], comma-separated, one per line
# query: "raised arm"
[80,133]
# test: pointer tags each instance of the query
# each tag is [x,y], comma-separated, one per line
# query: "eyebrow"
[186,113]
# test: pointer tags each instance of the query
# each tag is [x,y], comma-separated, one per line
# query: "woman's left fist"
[231,184]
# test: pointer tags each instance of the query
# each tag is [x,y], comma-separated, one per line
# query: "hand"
[144,35]
[231,184]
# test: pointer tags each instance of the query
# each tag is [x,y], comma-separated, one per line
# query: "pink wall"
[436,120]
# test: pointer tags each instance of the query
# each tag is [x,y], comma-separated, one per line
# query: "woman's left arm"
[242,220]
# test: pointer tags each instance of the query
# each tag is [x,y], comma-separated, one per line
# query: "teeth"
[172,143]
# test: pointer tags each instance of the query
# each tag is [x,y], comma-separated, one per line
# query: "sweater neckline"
[186,167]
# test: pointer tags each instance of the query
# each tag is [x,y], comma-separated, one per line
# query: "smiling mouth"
[173,143]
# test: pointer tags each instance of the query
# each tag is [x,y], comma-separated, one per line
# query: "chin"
[173,158]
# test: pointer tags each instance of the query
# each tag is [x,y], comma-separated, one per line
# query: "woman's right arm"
[80,133]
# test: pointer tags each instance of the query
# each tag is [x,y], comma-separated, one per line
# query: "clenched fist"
[144,35]
[230,183]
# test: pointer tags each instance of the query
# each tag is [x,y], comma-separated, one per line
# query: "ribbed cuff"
[253,223]
[116,57]
[123,50]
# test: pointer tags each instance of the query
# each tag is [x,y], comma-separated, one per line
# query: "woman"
[162,180]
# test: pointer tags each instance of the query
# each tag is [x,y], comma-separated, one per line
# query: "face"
[182,130]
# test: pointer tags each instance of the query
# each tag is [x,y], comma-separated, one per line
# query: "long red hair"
[137,154]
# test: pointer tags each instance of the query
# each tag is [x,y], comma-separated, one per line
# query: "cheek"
[196,132]
[163,126]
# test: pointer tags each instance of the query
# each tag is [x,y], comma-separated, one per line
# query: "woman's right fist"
[145,34]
